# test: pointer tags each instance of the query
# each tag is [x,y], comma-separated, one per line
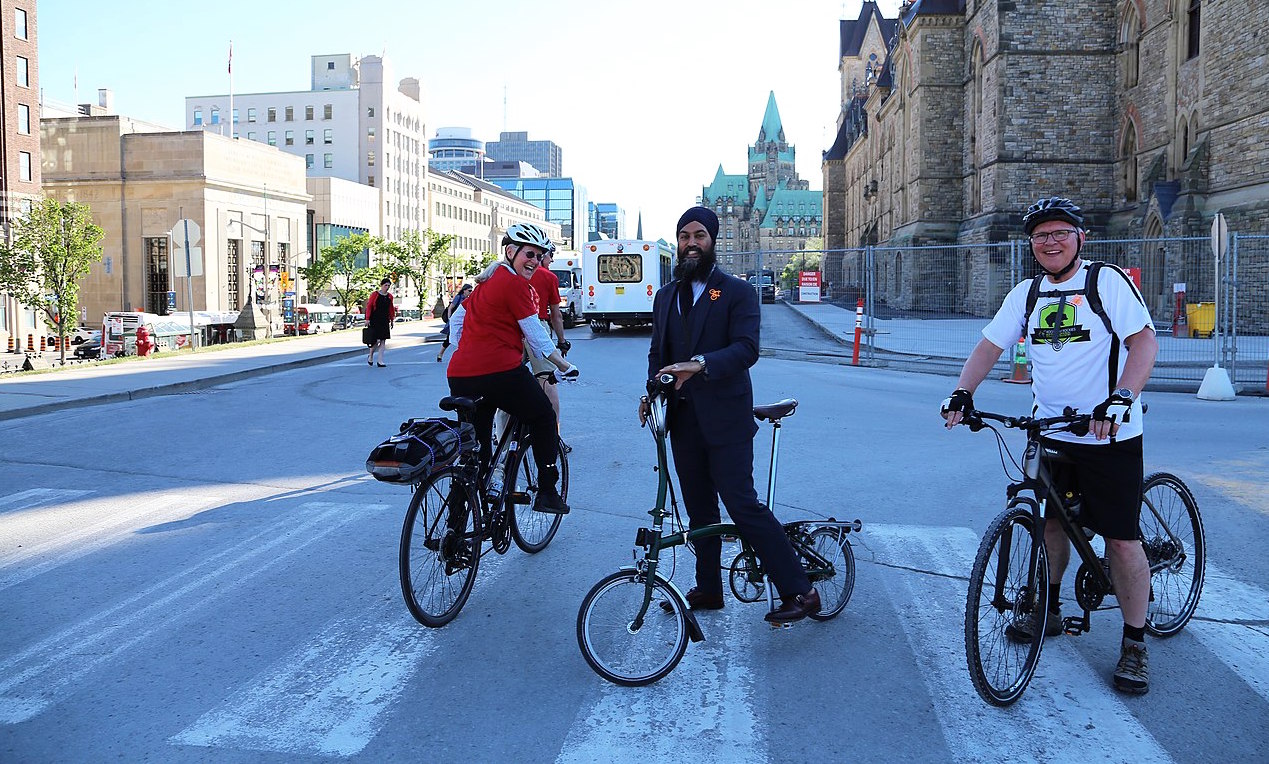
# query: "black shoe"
[698,600]
[549,499]
[795,608]
[382,365]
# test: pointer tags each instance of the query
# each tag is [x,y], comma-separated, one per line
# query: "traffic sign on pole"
[1220,236]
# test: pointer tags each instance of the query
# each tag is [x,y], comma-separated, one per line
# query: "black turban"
[703,215]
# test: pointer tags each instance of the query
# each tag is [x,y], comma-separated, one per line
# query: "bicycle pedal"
[519,497]
[778,625]
[1074,625]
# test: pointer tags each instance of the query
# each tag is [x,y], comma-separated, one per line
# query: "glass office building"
[564,201]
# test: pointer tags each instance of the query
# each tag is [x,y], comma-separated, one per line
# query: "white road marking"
[702,711]
[39,676]
[328,697]
[1068,712]
[65,533]
[34,497]
[1244,647]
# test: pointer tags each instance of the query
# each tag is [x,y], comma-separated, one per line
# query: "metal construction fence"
[929,303]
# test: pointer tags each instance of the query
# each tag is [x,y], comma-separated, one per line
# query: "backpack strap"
[1033,294]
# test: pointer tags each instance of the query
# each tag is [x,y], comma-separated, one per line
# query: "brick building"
[1151,114]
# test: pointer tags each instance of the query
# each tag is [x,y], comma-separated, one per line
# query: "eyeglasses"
[531,254]
[1058,236]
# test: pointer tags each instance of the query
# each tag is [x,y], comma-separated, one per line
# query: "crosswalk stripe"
[328,697]
[1232,620]
[73,530]
[34,497]
[714,679]
[39,676]
[1065,694]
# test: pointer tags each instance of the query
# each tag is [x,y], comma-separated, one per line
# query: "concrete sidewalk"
[89,384]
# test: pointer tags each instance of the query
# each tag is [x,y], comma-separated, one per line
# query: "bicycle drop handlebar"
[1070,421]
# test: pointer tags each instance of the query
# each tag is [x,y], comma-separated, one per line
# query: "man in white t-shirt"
[1077,361]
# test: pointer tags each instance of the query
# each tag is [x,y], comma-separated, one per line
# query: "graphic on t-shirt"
[1058,326]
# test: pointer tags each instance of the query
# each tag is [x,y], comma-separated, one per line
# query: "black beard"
[684,270]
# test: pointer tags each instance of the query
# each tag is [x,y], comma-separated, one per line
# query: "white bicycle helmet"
[1053,208]
[521,234]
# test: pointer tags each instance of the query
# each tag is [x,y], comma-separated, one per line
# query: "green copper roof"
[772,130]
[759,156]
[735,186]
[790,203]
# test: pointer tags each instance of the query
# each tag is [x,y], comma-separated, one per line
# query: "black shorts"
[1108,479]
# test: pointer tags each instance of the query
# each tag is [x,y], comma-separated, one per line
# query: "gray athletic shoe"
[1023,629]
[1132,675]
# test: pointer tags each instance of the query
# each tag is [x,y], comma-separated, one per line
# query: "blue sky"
[646,99]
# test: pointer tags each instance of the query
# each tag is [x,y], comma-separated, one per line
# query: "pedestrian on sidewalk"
[379,314]
[448,315]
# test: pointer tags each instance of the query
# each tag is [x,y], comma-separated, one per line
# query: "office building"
[516,147]
[19,143]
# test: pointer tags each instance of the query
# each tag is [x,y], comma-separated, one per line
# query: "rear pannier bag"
[423,446]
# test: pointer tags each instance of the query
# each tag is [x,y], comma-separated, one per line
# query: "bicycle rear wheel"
[611,644]
[1172,536]
[835,589]
[440,548]
[1009,583]
[532,530]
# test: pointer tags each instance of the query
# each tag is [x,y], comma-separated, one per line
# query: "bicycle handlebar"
[660,385]
[1070,421]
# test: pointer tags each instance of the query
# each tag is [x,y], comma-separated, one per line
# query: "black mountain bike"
[453,512]
[1010,579]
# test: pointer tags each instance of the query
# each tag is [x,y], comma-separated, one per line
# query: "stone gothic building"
[769,209]
[1152,114]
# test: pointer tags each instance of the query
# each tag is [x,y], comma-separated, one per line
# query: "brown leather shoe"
[795,608]
[697,600]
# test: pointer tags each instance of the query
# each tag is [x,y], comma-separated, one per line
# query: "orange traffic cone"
[1021,369]
[13,346]
[30,343]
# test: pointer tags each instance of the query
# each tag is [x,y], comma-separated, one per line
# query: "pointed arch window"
[1129,50]
[1128,154]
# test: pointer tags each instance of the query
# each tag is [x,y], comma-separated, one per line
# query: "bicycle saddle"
[459,403]
[774,411]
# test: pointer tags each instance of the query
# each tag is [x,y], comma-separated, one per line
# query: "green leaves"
[53,247]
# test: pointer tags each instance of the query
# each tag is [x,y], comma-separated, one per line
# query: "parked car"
[350,321]
[84,334]
[90,349]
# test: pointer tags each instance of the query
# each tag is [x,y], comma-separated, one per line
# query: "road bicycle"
[454,511]
[1010,578]
[634,625]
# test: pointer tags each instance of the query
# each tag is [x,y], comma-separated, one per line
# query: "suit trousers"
[707,473]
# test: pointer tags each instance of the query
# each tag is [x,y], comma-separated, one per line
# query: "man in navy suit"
[705,332]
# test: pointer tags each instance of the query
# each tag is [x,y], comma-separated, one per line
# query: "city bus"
[316,318]
[619,278]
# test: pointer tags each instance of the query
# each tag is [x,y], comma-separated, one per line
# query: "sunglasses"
[531,254]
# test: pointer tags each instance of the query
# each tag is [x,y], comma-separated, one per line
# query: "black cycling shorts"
[1108,478]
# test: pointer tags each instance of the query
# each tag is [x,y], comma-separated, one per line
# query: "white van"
[619,279]
[567,267]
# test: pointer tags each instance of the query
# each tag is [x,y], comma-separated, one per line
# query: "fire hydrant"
[144,343]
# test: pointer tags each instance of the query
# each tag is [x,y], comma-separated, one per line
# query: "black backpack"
[1094,303]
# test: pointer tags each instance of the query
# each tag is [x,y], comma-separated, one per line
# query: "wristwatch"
[1125,393]
[701,360]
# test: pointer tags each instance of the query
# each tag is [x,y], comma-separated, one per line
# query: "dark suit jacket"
[723,327]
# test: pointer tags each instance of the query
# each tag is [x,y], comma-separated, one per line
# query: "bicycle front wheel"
[440,548]
[835,589]
[1172,536]
[621,651]
[532,530]
[1009,587]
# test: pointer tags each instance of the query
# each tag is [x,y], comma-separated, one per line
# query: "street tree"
[806,260]
[52,248]
[337,268]
[412,257]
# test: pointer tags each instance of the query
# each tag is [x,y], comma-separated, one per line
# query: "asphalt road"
[212,577]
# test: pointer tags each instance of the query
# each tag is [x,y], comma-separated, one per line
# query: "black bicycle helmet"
[1053,208]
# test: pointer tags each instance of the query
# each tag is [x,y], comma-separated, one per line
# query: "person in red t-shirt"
[547,286]
[501,316]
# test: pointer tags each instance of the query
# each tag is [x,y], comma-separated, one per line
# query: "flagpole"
[231,89]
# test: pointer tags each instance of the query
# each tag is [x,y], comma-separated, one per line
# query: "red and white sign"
[808,286]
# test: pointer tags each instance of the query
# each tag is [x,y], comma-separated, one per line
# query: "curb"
[191,385]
